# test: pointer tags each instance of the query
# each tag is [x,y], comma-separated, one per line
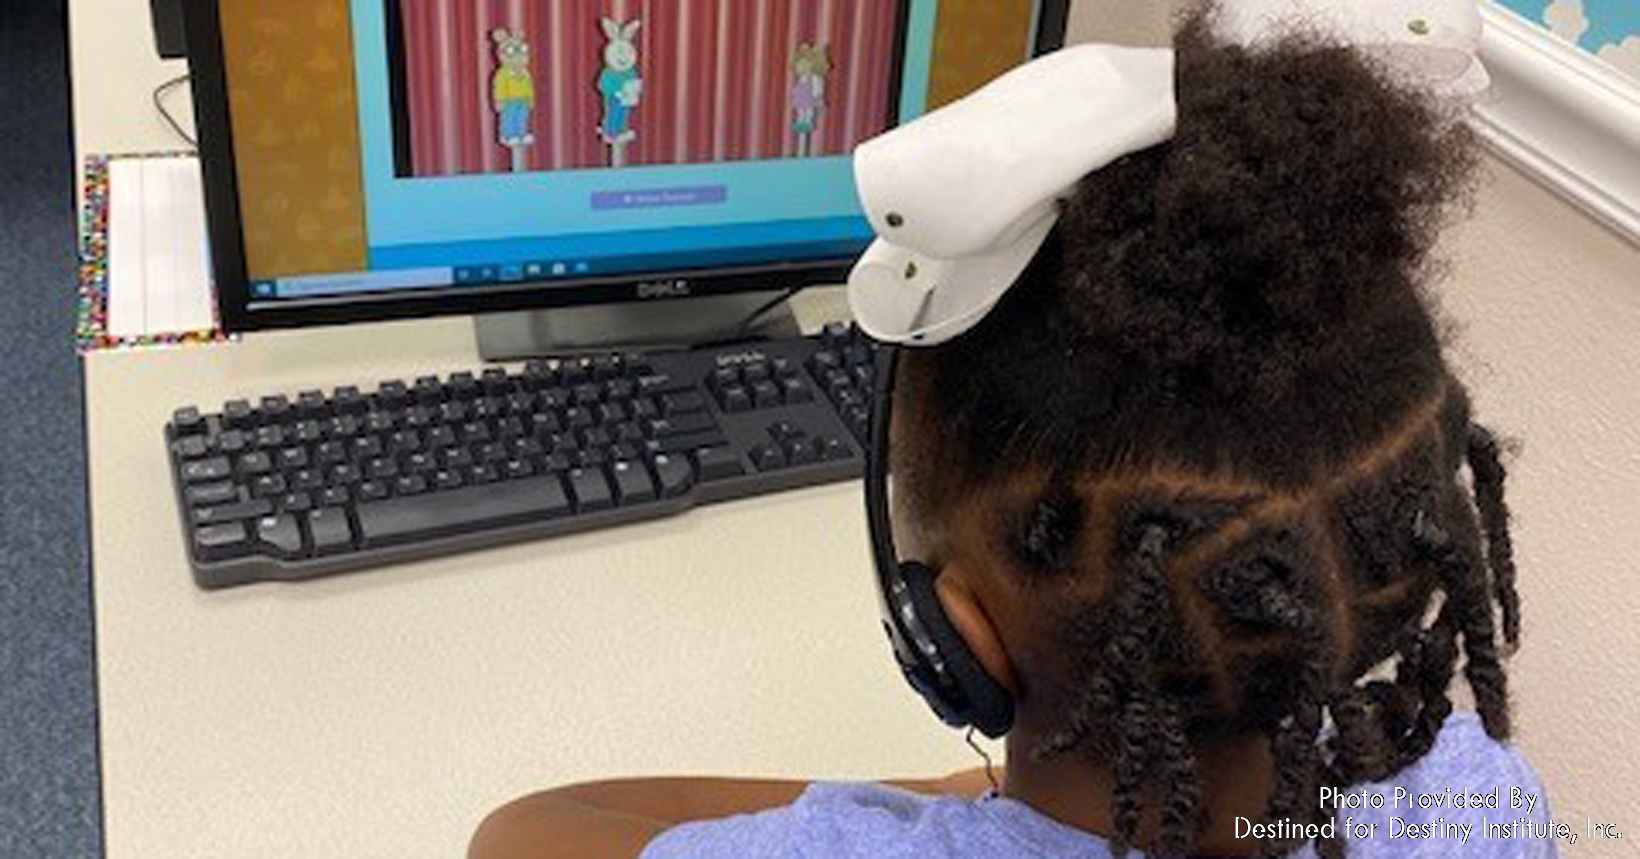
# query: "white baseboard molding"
[1564,118]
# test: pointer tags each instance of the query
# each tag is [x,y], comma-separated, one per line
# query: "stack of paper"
[159,274]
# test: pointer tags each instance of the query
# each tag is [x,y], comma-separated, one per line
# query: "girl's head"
[1205,467]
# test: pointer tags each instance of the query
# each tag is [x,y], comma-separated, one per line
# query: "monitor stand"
[644,325]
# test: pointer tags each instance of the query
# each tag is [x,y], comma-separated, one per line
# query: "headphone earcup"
[990,708]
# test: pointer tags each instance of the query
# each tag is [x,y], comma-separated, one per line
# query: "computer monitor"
[372,159]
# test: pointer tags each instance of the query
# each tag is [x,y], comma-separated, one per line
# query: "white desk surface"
[382,714]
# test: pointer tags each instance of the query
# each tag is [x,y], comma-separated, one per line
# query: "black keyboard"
[315,484]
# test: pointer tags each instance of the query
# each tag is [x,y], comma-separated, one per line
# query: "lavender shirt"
[838,821]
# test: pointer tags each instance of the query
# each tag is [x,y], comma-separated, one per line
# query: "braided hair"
[1213,433]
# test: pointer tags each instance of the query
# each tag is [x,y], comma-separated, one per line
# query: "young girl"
[1205,498]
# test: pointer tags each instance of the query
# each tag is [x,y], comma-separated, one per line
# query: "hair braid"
[1486,464]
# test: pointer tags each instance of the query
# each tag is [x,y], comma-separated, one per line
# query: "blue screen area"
[433,225]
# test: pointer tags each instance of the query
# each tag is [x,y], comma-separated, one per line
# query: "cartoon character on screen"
[808,93]
[513,93]
[621,87]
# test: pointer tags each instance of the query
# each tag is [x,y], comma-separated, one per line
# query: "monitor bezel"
[208,67]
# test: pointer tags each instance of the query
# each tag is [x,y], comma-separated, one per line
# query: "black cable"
[160,92]
[756,316]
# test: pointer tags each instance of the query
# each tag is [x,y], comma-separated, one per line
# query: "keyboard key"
[410,484]
[372,490]
[784,431]
[518,469]
[252,464]
[674,475]
[187,421]
[203,470]
[420,463]
[232,512]
[682,403]
[543,424]
[280,536]
[269,485]
[483,473]
[330,453]
[456,457]
[833,448]
[222,542]
[270,436]
[404,441]
[312,405]
[190,447]
[619,390]
[736,399]
[306,479]
[366,448]
[346,474]
[688,442]
[717,463]
[439,514]
[768,457]
[308,431]
[448,479]
[609,413]
[392,395]
[660,383]
[463,386]
[348,401]
[237,414]
[382,468]
[332,533]
[293,457]
[296,502]
[496,382]
[590,488]
[212,493]
[632,482]
[682,424]
[645,407]
[439,438]
[797,391]
[802,451]
[334,496]
[232,441]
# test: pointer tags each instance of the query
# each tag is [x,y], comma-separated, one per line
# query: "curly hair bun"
[1266,260]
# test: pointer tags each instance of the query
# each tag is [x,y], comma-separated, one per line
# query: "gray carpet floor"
[49,785]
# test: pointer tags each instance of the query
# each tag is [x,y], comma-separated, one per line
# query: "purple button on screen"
[657,197]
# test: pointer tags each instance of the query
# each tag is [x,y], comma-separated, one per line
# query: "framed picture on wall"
[1565,105]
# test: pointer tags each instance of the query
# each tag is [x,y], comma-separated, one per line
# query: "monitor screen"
[381,153]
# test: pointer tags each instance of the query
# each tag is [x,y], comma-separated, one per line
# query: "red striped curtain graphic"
[717,80]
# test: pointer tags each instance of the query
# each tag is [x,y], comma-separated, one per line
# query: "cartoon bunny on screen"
[621,87]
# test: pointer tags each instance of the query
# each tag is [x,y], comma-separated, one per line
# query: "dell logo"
[678,288]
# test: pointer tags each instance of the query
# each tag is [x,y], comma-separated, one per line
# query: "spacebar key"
[440,514]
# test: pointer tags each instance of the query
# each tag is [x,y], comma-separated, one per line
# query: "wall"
[1545,306]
